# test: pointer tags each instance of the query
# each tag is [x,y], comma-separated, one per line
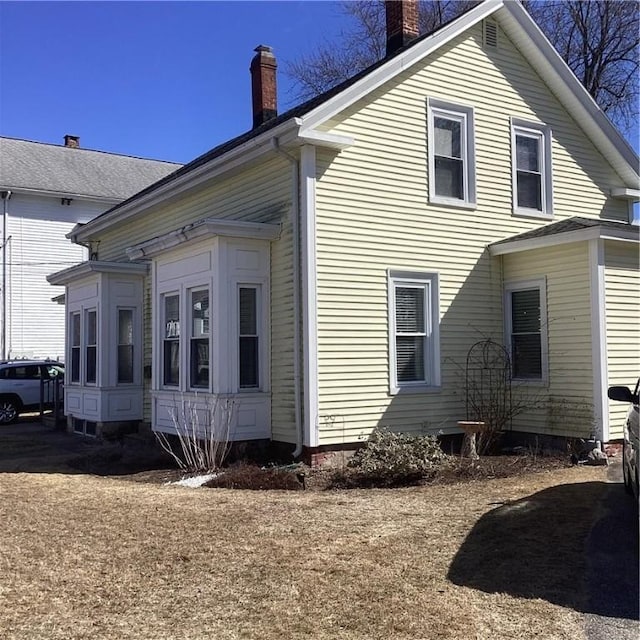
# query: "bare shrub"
[202,433]
[390,458]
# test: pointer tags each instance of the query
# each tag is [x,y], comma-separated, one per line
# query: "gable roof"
[304,118]
[39,167]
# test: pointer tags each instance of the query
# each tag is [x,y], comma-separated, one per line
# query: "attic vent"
[490,34]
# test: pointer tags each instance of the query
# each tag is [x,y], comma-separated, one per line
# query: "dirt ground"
[85,556]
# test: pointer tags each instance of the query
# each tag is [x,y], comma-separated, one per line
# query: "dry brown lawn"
[102,558]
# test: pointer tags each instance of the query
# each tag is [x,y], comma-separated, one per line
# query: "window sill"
[530,382]
[449,202]
[413,389]
[532,213]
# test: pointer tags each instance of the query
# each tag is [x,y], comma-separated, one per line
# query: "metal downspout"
[295,231]
[6,196]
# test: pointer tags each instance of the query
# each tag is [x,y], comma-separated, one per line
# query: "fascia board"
[396,65]
[628,194]
[95,266]
[62,194]
[205,228]
[592,233]
[521,28]
[220,165]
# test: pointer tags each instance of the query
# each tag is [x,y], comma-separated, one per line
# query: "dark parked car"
[20,384]
[631,445]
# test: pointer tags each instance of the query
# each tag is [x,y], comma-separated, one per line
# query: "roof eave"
[579,235]
[84,269]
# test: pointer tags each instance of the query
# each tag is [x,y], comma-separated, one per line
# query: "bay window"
[91,346]
[125,346]
[199,339]
[75,346]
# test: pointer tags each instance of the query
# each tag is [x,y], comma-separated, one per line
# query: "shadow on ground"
[30,447]
[541,547]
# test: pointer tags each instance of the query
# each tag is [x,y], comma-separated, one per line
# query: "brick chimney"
[263,85]
[402,23]
[72,142]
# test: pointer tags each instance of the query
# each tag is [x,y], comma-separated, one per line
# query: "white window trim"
[430,281]
[543,133]
[262,326]
[134,344]
[162,336]
[188,338]
[465,115]
[524,285]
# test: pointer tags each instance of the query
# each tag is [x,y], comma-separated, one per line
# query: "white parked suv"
[20,382]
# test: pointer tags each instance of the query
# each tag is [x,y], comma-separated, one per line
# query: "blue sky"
[165,80]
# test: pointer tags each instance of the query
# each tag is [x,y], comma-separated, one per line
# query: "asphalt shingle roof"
[565,226]
[55,168]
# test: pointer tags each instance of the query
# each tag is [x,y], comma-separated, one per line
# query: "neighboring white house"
[329,270]
[46,190]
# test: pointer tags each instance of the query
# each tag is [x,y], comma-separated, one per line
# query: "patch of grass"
[87,557]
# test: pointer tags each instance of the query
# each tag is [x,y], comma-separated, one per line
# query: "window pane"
[172,316]
[125,363]
[530,191]
[527,356]
[75,329]
[171,358]
[449,178]
[410,310]
[200,363]
[410,358]
[525,311]
[248,362]
[248,311]
[527,153]
[447,138]
[91,327]
[125,326]
[75,364]
[91,364]
[200,313]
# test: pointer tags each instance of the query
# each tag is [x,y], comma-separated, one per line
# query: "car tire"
[9,410]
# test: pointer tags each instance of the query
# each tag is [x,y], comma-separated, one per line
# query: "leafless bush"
[202,433]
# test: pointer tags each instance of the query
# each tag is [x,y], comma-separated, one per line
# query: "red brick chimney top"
[402,23]
[72,141]
[263,85]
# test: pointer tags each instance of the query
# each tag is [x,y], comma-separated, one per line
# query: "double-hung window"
[74,321]
[91,346]
[531,168]
[413,334]
[451,153]
[199,339]
[248,337]
[525,322]
[171,340]
[125,346]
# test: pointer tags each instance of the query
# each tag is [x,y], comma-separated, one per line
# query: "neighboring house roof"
[305,118]
[571,230]
[55,169]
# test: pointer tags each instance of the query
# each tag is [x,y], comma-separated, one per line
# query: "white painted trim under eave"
[95,266]
[580,235]
[208,227]
[309,294]
[63,194]
[599,339]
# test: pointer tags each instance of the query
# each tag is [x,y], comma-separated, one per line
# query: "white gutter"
[295,231]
